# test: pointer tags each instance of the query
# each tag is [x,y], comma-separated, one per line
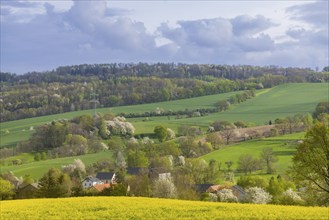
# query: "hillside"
[278,102]
[73,88]
[149,208]
[283,147]
[20,129]
[38,168]
[269,104]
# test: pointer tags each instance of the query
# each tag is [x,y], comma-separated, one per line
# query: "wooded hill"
[73,88]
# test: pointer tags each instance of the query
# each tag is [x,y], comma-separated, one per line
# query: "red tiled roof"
[216,188]
[101,187]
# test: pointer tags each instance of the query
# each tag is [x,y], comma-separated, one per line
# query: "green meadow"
[37,168]
[283,147]
[20,130]
[278,102]
[269,104]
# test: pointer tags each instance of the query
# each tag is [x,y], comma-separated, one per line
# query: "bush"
[226,195]
[257,195]
[290,197]
[165,188]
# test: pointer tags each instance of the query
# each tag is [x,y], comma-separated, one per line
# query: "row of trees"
[72,88]
[247,163]
[166,70]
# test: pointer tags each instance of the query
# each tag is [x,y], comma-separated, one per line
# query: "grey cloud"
[203,33]
[208,32]
[91,32]
[315,13]
[5,11]
[296,32]
[84,34]
[246,24]
[309,37]
[256,44]
[19,4]
[115,32]
[215,34]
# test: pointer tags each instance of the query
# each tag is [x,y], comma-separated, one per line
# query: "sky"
[42,35]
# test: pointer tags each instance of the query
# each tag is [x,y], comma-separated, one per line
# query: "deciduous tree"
[6,189]
[269,158]
[160,133]
[310,162]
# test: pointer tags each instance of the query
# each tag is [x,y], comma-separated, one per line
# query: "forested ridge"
[72,88]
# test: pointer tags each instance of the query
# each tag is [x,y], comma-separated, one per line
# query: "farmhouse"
[106,177]
[236,190]
[239,192]
[27,191]
[90,181]
[100,187]
[136,170]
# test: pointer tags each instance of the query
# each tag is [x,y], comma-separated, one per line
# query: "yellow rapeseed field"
[148,208]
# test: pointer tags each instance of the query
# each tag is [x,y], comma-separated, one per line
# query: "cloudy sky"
[42,35]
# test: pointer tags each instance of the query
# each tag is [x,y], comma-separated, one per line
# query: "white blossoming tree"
[290,197]
[257,195]
[119,126]
[226,195]
[164,188]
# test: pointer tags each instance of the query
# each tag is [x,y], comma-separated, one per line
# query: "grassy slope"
[280,101]
[281,146]
[37,169]
[20,129]
[269,104]
[149,208]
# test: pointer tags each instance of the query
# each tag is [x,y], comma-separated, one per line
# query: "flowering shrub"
[165,188]
[119,126]
[290,197]
[226,195]
[170,134]
[258,195]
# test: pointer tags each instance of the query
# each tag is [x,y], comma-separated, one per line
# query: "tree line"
[72,88]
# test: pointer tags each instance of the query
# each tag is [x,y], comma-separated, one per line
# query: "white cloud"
[41,36]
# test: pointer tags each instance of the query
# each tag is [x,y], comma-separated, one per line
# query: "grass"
[24,157]
[149,208]
[19,130]
[38,168]
[269,104]
[283,147]
[278,102]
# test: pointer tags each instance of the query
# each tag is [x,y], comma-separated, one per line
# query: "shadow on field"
[284,153]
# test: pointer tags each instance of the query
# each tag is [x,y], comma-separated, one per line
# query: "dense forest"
[73,88]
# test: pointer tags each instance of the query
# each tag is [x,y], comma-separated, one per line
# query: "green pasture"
[278,102]
[21,129]
[38,168]
[283,147]
[23,157]
[269,104]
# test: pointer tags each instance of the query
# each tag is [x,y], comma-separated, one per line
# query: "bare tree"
[269,158]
